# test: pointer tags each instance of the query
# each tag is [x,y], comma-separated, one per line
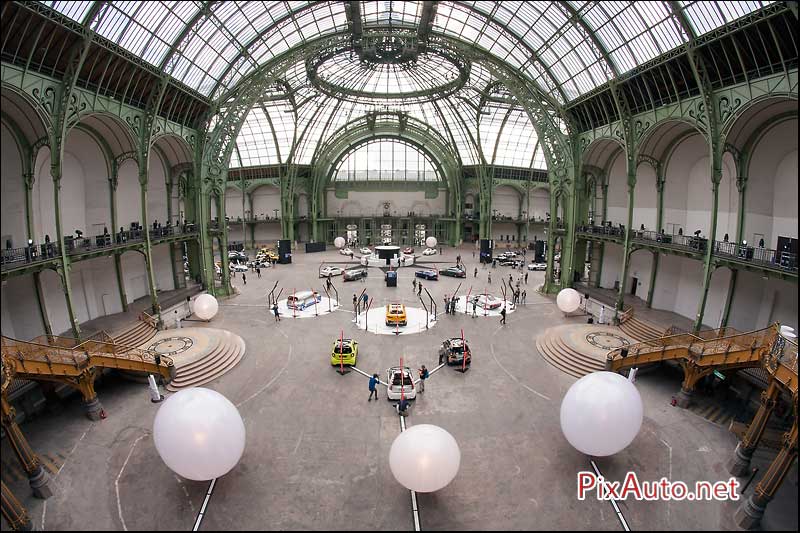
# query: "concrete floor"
[317,451]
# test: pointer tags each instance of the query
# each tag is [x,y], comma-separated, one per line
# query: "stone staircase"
[639,330]
[556,352]
[226,354]
[137,335]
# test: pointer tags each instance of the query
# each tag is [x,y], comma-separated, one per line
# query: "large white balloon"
[601,414]
[431,242]
[424,458]
[199,434]
[338,242]
[205,307]
[568,300]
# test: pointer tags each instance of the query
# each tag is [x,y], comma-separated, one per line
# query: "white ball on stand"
[601,414]
[199,434]
[205,307]
[339,242]
[568,300]
[431,242]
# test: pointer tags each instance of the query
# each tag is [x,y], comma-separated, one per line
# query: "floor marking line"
[116,482]
[613,501]
[44,506]
[414,506]
[670,470]
[265,387]
[512,376]
[202,512]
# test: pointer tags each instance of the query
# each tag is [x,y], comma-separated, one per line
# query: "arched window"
[386,160]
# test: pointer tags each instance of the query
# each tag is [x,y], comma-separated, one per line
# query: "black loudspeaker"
[284,251]
[486,250]
[623,352]
[539,252]
[315,247]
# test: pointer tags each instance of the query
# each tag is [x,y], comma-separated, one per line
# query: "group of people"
[417,286]
[450,304]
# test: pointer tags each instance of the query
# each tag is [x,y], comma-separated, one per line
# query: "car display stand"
[311,311]
[375,321]
[462,306]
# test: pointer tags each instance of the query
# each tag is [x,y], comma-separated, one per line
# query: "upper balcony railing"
[775,259]
[37,253]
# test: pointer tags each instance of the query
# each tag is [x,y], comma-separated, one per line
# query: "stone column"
[739,465]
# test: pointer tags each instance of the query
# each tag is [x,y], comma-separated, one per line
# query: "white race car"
[366,251]
[400,382]
[429,251]
[537,266]
[239,268]
[330,271]
[346,251]
[487,301]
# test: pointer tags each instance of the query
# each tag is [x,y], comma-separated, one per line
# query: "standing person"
[476,273]
[503,315]
[423,375]
[601,318]
[419,287]
[258,272]
[473,254]
[524,295]
[490,278]
[526,278]
[446,305]
[510,280]
[414,285]
[373,389]
[355,303]
[244,278]
[474,306]
[277,314]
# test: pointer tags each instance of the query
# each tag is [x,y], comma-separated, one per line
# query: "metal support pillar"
[148,247]
[38,477]
[749,515]
[37,287]
[603,215]
[739,465]
[626,253]
[659,226]
[13,511]
[708,267]
[64,268]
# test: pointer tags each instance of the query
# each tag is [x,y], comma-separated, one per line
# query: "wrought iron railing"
[35,253]
[777,259]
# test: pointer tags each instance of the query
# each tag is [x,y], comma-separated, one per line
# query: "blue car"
[427,274]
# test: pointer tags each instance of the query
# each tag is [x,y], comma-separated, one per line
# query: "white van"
[303,299]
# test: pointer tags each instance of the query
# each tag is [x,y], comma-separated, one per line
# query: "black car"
[352,274]
[452,351]
[454,272]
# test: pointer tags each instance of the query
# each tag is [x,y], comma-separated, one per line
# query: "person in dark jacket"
[373,387]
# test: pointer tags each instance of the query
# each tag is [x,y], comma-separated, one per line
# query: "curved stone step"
[572,359]
[639,330]
[209,368]
[554,360]
[208,364]
[585,360]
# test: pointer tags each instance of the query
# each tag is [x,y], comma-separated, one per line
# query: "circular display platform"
[463,307]
[606,340]
[321,308]
[171,346]
[375,322]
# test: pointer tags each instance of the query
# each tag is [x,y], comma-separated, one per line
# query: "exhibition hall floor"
[317,451]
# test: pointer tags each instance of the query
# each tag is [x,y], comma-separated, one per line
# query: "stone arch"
[116,132]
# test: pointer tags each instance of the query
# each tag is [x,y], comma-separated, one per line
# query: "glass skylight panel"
[385,160]
[74,10]
[707,16]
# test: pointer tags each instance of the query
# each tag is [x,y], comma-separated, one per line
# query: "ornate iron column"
[38,477]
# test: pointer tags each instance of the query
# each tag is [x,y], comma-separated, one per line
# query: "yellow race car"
[271,254]
[344,352]
[396,314]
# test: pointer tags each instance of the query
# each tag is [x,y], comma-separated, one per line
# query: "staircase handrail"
[148,319]
[35,351]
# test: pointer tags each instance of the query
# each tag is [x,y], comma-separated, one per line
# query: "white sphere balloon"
[339,242]
[568,300]
[601,414]
[205,307]
[431,242]
[199,434]
[424,458]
